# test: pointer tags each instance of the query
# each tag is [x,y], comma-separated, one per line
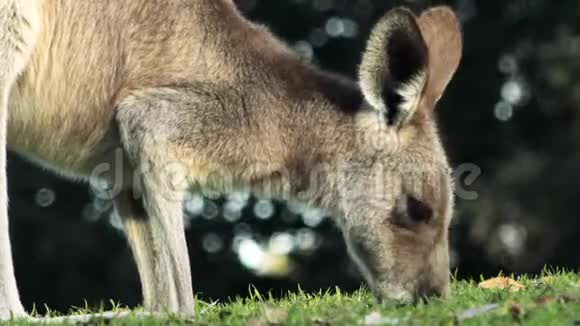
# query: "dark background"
[512,111]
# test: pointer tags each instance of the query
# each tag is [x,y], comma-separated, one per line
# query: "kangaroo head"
[397,196]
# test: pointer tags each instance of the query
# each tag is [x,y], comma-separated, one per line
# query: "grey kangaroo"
[182,94]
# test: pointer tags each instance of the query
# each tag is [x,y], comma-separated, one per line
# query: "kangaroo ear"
[441,32]
[394,68]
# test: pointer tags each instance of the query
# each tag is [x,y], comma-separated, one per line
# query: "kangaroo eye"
[418,211]
[409,211]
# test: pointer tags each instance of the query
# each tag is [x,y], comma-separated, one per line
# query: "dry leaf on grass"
[501,283]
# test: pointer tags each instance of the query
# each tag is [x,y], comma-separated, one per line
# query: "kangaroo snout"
[402,295]
[432,289]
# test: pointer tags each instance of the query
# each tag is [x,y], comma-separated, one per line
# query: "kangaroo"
[173,95]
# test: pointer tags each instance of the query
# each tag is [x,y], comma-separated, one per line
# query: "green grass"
[552,299]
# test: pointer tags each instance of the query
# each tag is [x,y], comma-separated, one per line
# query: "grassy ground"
[552,299]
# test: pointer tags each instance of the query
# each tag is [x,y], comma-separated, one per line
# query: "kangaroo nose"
[411,294]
